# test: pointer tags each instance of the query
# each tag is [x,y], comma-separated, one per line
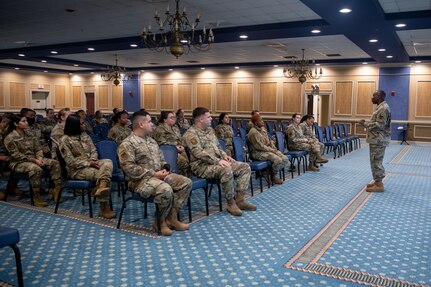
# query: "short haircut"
[48,110]
[72,126]
[199,111]
[62,112]
[381,93]
[178,112]
[294,115]
[253,112]
[221,118]
[164,115]
[118,115]
[137,115]
[24,111]
[306,117]
[256,118]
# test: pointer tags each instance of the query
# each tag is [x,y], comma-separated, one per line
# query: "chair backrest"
[170,153]
[243,124]
[214,123]
[107,149]
[238,145]
[319,134]
[62,163]
[279,136]
[101,131]
[328,133]
[95,138]
[270,127]
[346,131]
[243,134]
[222,144]
[234,123]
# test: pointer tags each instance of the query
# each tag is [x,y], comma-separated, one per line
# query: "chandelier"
[115,74]
[301,69]
[176,34]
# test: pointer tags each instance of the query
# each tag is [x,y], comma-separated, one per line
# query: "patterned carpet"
[383,237]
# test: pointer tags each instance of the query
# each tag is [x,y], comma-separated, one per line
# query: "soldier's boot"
[164,228]
[174,223]
[103,189]
[320,159]
[277,180]
[232,208]
[377,187]
[371,184]
[242,203]
[56,194]
[38,201]
[105,211]
[2,196]
[311,167]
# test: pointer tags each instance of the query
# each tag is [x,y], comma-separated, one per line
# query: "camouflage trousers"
[35,172]
[278,161]
[313,148]
[94,174]
[183,163]
[377,152]
[238,170]
[170,193]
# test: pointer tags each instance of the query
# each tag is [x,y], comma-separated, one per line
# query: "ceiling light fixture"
[373,40]
[243,36]
[91,49]
[389,56]
[301,69]
[315,31]
[345,10]
[43,61]
[382,50]
[181,35]
[115,74]
[400,25]
[236,67]
[54,52]
[133,45]
[21,55]
[364,63]
[16,68]
[418,61]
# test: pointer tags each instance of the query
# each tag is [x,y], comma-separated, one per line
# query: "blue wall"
[398,80]
[131,96]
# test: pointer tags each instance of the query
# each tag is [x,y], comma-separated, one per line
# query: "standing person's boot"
[242,203]
[38,201]
[103,188]
[232,208]
[164,228]
[377,187]
[371,184]
[320,159]
[174,223]
[105,211]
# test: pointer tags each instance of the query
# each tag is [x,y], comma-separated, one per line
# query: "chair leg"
[158,220]
[58,201]
[90,204]
[18,264]
[189,203]
[206,200]
[261,184]
[219,196]
[121,214]
[145,209]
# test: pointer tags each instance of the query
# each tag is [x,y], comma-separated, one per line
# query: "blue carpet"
[222,250]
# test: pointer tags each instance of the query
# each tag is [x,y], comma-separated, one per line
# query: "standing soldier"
[297,141]
[26,156]
[208,160]
[167,132]
[378,136]
[149,175]
[82,162]
[120,130]
[262,148]
[225,132]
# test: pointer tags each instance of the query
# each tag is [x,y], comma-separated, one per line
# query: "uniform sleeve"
[15,154]
[257,142]
[292,136]
[159,136]
[93,150]
[195,148]
[382,119]
[133,171]
[72,162]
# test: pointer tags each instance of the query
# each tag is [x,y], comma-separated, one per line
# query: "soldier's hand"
[94,164]
[223,163]
[161,174]
[229,159]
[40,162]
[4,158]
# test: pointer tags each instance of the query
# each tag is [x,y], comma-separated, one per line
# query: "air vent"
[153,63]
[192,62]
[333,55]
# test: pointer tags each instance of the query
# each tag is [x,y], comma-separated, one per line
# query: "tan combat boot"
[2,196]
[371,184]
[242,203]
[164,228]
[377,187]
[174,223]
[38,201]
[232,208]
[277,180]
[320,159]
[311,167]
[56,193]
[102,189]
[105,211]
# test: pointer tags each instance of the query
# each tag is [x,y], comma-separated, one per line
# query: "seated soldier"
[26,156]
[297,141]
[88,128]
[98,119]
[262,148]
[120,130]
[208,160]
[48,123]
[58,131]
[4,154]
[167,132]
[306,125]
[225,132]
[250,123]
[35,129]
[182,123]
[82,162]
[149,175]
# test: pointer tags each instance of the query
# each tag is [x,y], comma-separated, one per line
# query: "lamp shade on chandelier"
[115,74]
[302,69]
[176,34]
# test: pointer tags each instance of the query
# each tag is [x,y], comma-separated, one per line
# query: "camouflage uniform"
[379,136]
[225,132]
[24,150]
[310,135]
[118,133]
[183,124]
[262,148]
[249,126]
[88,128]
[163,134]
[37,131]
[56,134]
[295,141]
[46,125]
[140,158]
[77,152]
[205,153]
[97,121]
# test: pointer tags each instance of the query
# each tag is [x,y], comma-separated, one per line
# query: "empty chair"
[298,156]
[329,145]
[101,131]
[330,138]
[10,237]
[356,140]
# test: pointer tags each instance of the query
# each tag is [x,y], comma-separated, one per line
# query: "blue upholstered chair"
[355,139]
[329,145]
[10,237]
[298,156]
[101,131]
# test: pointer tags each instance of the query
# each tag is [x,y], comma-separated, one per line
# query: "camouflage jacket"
[164,134]
[118,133]
[307,131]
[259,140]
[97,121]
[204,147]
[3,150]
[77,152]
[225,132]
[183,124]
[379,126]
[46,125]
[295,135]
[140,158]
[22,148]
